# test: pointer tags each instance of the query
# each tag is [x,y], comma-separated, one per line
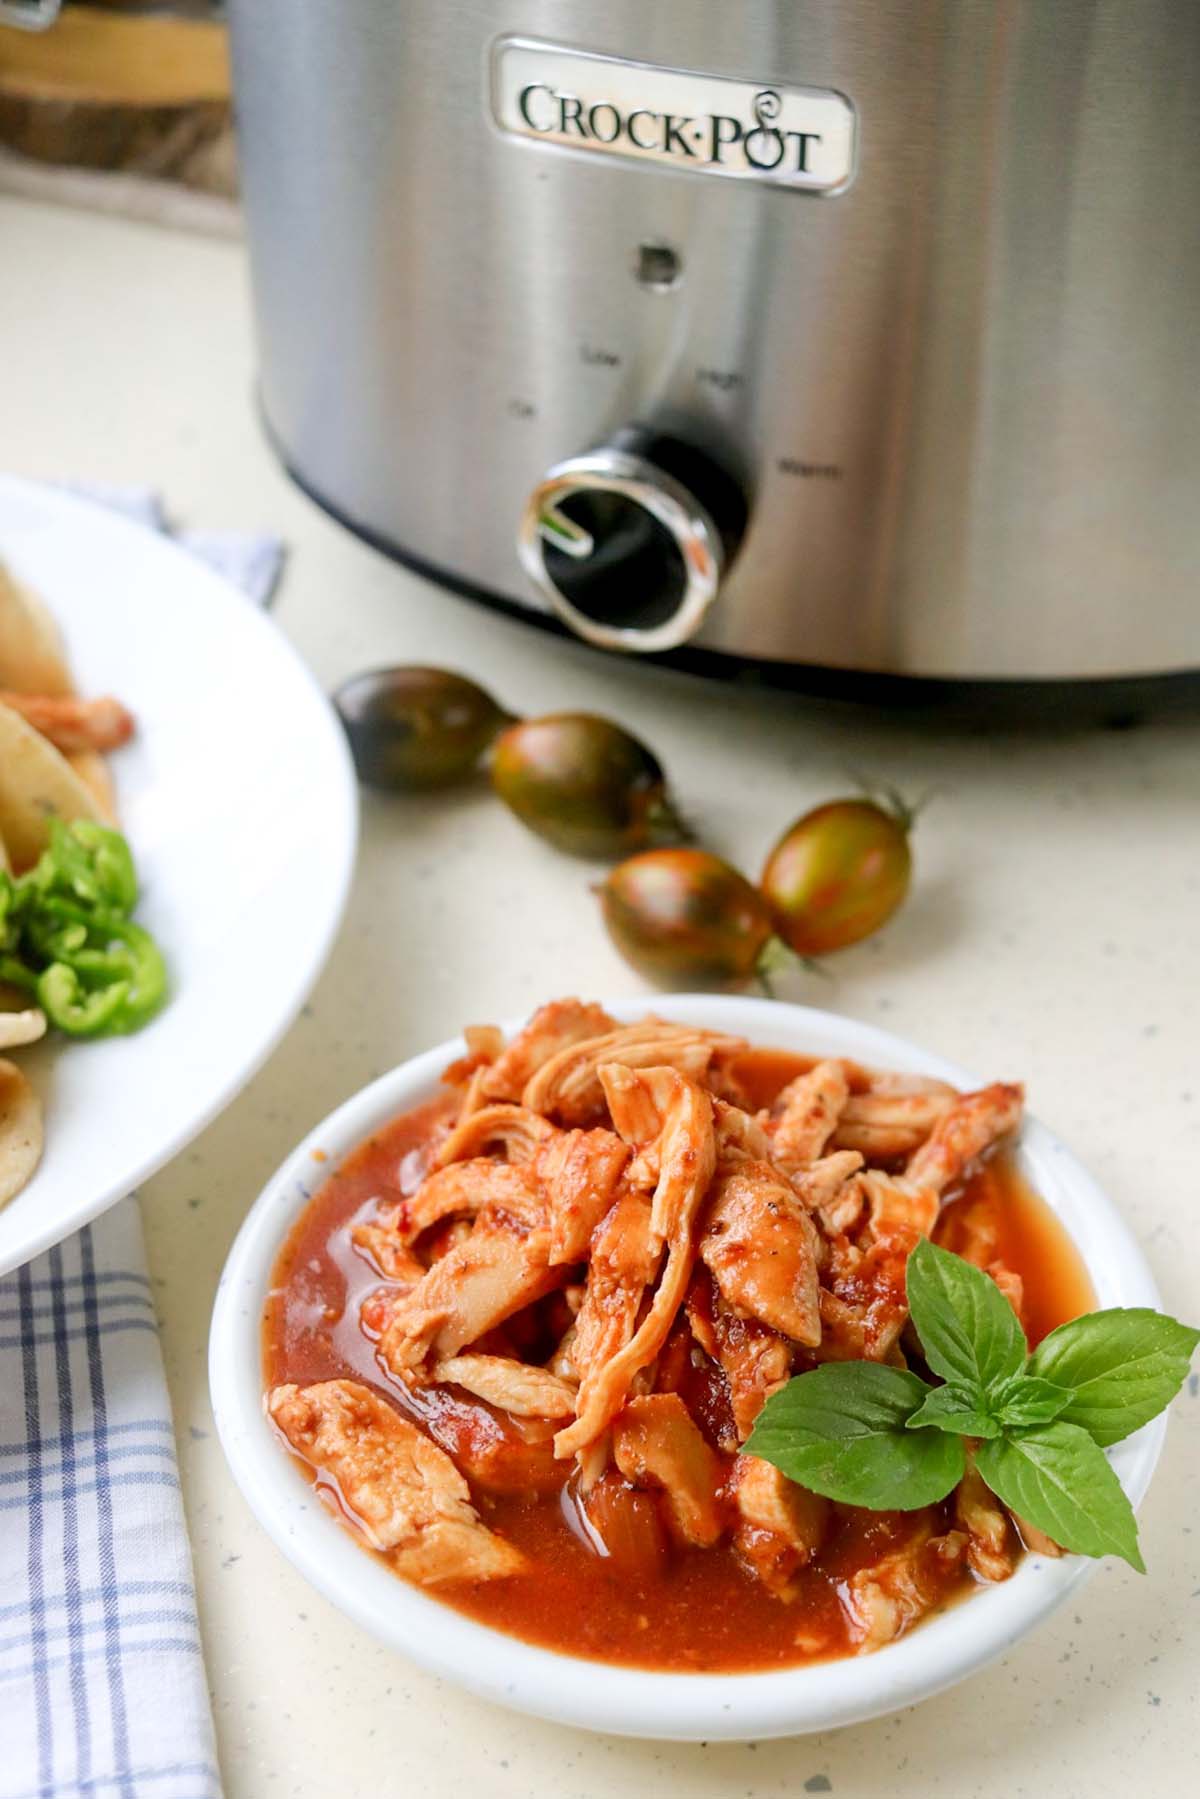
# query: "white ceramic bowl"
[596,1695]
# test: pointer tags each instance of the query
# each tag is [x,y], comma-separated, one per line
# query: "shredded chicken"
[485,1045]
[961,1135]
[823,1182]
[634,1107]
[383,1246]
[842,1212]
[864,1304]
[562,1362]
[622,1265]
[463,1189]
[890,1080]
[760,1246]
[579,1172]
[73,724]
[809,1109]
[887,1124]
[520,1132]
[568,1085]
[656,1443]
[739,1136]
[495,1272]
[881,1601]
[991,1543]
[755,1360]
[474,1098]
[896,1207]
[687,1160]
[552,1029]
[780,1526]
[515,1387]
[1036,1540]
[402,1491]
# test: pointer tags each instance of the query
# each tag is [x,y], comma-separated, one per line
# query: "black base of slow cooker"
[1115,703]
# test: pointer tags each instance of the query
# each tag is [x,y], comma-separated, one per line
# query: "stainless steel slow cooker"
[837,337]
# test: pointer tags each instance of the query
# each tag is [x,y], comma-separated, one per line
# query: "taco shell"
[92,770]
[32,658]
[20,1131]
[36,784]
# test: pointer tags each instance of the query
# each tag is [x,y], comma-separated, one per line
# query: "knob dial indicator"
[626,550]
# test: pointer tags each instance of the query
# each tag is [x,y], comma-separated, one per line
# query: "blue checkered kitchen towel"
[102,1686]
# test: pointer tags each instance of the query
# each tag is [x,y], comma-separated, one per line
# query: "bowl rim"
[596,1695]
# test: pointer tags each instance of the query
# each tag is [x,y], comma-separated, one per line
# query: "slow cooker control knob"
[630,542]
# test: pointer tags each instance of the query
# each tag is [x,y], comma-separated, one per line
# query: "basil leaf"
[840,1431]
[1025,1400]
[968,1330]
[1122,1367]
[1057,1478]
[956,1408]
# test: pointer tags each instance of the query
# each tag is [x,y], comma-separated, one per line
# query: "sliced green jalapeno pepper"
[16,974]
[66,934]
[135,950]
[79,1012]
[113,956]
[88,862]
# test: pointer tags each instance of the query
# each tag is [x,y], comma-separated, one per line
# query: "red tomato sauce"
[692,1609]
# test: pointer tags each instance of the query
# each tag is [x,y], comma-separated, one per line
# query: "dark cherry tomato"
[417,727]
[838,873]
[683,916]
[585,785]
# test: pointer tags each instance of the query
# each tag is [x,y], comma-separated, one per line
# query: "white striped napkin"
[102,1686]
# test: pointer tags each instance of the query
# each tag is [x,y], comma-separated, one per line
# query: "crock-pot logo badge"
[707,124]
[717,139]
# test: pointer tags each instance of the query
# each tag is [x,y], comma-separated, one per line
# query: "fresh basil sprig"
[841,1431]
[869,1435]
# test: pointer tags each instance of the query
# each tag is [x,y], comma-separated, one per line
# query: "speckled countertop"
[1054,934]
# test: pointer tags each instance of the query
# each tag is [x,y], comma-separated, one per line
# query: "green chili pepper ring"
[66,935]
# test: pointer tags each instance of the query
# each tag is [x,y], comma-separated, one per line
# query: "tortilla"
[36,783]
[92,770]
[20,1131]
[32,658]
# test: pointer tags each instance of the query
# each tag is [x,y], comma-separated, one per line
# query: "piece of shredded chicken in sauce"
[606,1218]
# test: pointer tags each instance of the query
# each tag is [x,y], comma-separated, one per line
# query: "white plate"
[596,1695]
[238,798]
